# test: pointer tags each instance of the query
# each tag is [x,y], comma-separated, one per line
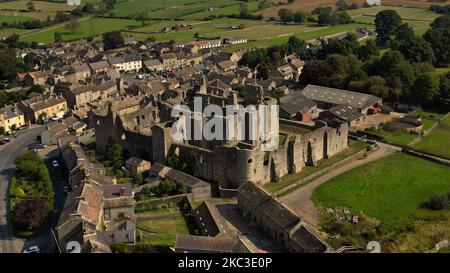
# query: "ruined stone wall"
[337,139]
[279,161]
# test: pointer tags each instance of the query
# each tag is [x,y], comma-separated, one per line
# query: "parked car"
[66,189]
[32,249]
[55,163]
[33,149]
[41,146]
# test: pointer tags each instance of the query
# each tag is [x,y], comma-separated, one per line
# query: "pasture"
[437,142]
[389,189]
[43,9]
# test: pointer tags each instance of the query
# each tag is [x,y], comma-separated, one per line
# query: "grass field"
[389,189]
[88,27]
[438,141]
[43,9]
[167,224]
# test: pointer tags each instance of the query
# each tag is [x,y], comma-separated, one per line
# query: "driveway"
[300,200]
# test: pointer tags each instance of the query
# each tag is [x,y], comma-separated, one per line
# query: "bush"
[30,213]
[438,202]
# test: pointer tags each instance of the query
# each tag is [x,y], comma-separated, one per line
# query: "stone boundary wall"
[169,200]
[228,193]
[426,156]
[426,132]
[323,171]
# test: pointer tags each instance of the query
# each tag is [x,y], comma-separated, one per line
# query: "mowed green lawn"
[164,228]
[388,189]
[438,141]
[88,27]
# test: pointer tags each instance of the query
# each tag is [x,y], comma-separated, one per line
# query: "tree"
[441,22]
[444,91]
[386,24]
[113,150]
[342,5]
[113,40]
[109,4]
[338,46]
[143,18]
[438,202]
[36,89]
[29,213]
[299,17]
[415,49]
[439,39]
[324,17]
[58,37]
[368,50]
[30,6]
[404,32]
[167,186]
[286,15]
[72,25]
[138,179]
[9,63]
[427,88]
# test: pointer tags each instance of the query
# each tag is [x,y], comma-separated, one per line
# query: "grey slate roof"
[346,112]
[296,102]
[339,96]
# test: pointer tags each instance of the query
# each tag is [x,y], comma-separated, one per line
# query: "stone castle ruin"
[143,124]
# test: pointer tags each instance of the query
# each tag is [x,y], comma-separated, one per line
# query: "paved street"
[8,153]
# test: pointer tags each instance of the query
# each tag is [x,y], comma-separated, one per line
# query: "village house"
[127,63]
[36,78]
[41,107]
[11,118]
[135,165]
[59,129]
[234,40]
[199,189]
[154,65]
[118,204]
[101,66]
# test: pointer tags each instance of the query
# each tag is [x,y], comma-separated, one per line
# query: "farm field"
[308,5]
[88,27]
[389,189]
[168,9]
[437,142]
[43,9]
[228,10]
[260,33]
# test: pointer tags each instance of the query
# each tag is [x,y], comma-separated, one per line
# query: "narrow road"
[9,244]
[300,200]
